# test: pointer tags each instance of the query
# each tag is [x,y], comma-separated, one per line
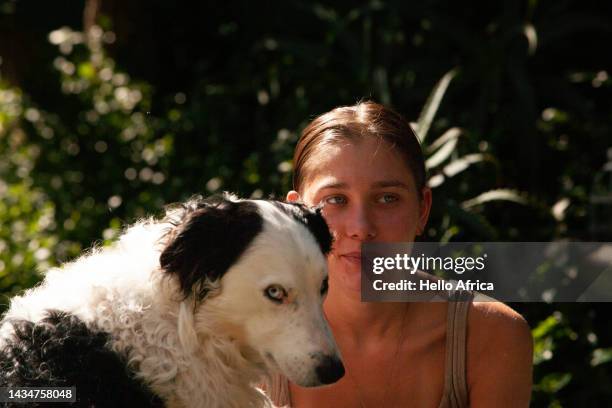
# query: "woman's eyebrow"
[377,184]
[335,185]
[391,183]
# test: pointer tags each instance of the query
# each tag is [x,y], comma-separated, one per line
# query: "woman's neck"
[348,316]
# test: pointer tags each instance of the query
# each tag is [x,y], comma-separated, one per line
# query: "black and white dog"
[187,311]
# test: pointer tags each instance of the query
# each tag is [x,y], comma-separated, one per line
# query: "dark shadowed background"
[110,109]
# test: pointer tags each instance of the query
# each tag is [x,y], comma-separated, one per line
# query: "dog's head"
[256,272]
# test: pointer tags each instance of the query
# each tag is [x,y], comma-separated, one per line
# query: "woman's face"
[369,194]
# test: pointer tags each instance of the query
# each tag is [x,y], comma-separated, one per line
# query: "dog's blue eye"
[324,286]
[276,293]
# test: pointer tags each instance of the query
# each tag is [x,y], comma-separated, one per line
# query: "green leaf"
[433,103]
[545,327]
[442,154]
[552,383]
[455,167]
[532,37]
[501,194]
[452,133]
[475,222]
[458,165]
[86,70]
[601,356]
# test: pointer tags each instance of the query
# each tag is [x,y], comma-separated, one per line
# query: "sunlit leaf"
[545,327]
[442,154]
[601,356]
[554,382]
[501,194]
[532,37]
[433,103]
[458,165]
[435,180]
[86,70]
[451,133]
[455,167]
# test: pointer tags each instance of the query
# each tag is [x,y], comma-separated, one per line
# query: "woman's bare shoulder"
[493,320]
[493,325]
[500,349]
[488,314]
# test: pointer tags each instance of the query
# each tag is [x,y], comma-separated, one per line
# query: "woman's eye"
[276,293]
[335,200]
[387,198]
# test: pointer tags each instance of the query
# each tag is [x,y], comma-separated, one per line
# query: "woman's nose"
[360,224]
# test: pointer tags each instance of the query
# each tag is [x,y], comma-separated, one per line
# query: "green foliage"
[55,202]
[438,154]
[569,364]
[75,176]
[27,215]
[512,108]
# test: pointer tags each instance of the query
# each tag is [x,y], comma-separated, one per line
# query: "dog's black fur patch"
[211,237]
[60,351]
[313,220]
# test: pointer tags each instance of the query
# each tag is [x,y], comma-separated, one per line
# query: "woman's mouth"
[352,257]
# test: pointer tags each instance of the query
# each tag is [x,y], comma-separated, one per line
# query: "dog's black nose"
[330,370]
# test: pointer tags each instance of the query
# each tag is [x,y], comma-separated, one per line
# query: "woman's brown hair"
[353,123]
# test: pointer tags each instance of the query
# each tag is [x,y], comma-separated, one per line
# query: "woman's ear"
[425,207]
[293,196]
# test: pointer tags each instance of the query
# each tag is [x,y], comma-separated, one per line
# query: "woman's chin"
[345,274]
[351,279]
[353,285]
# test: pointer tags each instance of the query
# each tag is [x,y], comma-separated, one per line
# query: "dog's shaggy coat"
[187,311]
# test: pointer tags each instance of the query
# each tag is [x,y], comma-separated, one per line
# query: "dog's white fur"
[195,354]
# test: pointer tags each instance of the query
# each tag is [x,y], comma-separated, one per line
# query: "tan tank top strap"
[455,381]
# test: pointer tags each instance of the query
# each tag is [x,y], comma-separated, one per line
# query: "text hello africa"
[428,285]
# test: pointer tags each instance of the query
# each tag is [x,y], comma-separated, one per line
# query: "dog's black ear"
[318,227]
[314,221]
[209,238]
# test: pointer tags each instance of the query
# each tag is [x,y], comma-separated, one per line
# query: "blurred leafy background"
[110,109]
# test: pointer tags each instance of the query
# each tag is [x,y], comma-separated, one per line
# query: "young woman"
[365,165]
